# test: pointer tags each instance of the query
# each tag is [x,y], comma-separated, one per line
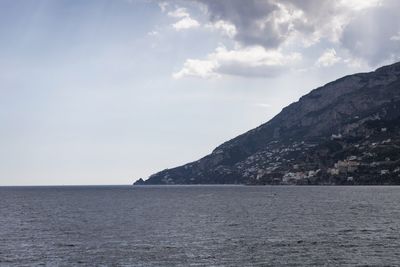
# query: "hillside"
[345,132]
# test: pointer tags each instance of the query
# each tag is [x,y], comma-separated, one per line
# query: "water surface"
[199,225]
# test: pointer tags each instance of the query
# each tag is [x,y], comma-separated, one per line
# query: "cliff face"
[353,121]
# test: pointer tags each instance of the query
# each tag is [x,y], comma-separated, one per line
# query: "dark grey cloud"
[246,16]
[266,22]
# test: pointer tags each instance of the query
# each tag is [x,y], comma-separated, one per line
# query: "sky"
[109,91]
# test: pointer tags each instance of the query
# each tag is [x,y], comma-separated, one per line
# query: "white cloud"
[186,23]
[197,68]
[328,58]
[246,61]
[254,56]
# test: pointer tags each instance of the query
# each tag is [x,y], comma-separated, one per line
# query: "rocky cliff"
[345,132]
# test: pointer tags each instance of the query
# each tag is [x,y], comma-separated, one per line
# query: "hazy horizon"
[106,92]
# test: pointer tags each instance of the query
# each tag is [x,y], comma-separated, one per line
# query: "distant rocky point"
[343,133]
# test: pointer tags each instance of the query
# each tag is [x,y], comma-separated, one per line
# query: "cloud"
[328,58]
[179,13]
[225,27]
[197,68]
[349,24]
[363,32]
[271,23]
[256,22]
[186,23]
[254,61]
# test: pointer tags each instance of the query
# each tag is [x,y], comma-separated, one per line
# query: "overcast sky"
[108,91]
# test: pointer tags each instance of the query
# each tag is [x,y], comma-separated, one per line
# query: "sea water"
[199,226]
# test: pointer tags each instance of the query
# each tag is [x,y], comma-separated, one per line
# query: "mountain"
[345,132]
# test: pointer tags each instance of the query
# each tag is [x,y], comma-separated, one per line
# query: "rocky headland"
[343,133]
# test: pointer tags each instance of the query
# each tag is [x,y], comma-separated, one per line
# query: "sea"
[200,226]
